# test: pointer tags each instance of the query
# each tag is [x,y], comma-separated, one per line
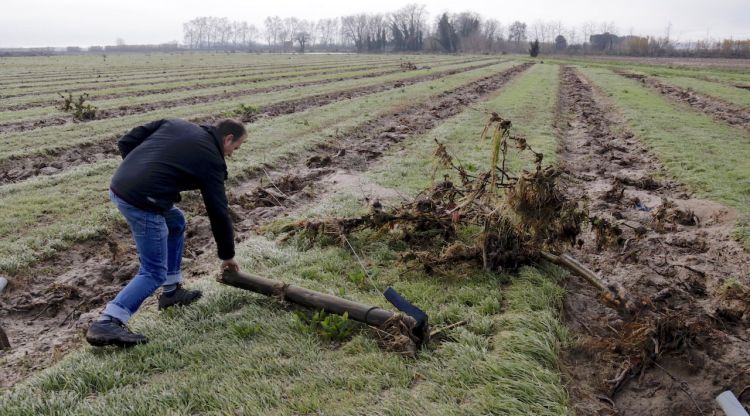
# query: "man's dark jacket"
[165,157]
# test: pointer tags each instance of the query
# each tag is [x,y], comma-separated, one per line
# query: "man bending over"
[160,160]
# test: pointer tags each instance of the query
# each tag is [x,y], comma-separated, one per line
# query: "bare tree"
[273,28]
[517,33]
[408,27]
[326,30]
[291,27]
[303,35]
[492,33]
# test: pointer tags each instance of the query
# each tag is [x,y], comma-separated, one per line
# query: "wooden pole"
[576,267]
[616,295]
[370,315]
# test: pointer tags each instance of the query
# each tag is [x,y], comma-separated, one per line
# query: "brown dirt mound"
[673,253]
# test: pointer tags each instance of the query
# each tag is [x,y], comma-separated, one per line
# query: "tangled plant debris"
[518,215]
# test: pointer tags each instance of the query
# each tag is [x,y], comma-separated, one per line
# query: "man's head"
[232,134]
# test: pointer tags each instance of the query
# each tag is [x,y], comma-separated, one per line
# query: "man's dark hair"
[229,126]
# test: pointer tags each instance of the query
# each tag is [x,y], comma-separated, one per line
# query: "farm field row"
[723,91]
[721,74]
[169,82]
[19,70]
[46,139]
[504,360]
[149,76]
[722,84]
[712,158]
[110,101]
[72,205]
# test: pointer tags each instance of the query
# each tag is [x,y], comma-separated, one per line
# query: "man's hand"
[230,265]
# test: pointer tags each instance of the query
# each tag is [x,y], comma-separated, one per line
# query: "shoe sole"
[99,342]
[193,300]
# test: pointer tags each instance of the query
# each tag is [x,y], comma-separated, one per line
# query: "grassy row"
[118,86]
[208,89]
[712,158]
[52,212]
[211,357]
[21,144]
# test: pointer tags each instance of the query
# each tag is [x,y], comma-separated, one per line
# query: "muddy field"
[673,252]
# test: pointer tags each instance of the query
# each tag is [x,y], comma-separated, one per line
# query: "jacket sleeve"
[215,199]
[135,137]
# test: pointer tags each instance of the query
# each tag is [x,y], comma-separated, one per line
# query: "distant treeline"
[410,29]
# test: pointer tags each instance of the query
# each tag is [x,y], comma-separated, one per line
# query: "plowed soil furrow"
[671,252]
[15,170]
[48,312]
[716,108]
[234,80]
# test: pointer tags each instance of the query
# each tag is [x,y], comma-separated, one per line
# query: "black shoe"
[178,296]
[113,332]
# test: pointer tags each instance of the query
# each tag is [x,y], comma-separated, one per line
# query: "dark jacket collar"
[217,138]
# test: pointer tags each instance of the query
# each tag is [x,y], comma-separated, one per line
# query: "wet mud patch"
[98,268]
[729,113]
[674,256]
[50,163]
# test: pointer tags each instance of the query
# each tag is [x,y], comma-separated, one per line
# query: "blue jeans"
[159,239]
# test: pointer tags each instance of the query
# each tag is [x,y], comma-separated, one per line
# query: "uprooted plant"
[513,220]
[517,216]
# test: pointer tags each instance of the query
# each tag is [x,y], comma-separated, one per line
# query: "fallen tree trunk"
[397,332]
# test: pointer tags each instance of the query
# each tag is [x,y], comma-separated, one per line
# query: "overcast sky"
[100,22]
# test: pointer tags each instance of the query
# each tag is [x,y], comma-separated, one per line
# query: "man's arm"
[135,137]
[215,199]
